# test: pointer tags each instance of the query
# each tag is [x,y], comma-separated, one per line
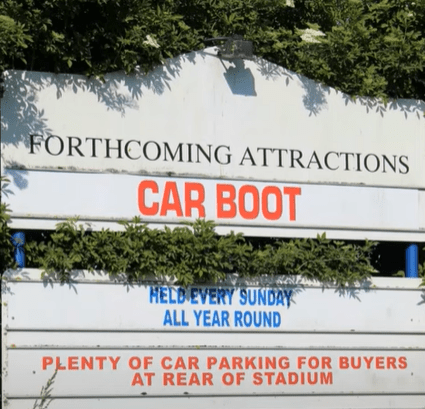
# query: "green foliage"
[13,41]
[367,48]
[194,253]
[320,259]
[97,36]
[370,48]
[6,247]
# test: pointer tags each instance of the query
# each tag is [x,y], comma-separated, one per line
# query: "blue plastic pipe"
[18,241]
[412,261]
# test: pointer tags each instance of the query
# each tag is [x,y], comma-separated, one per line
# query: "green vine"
[195,253]
[6,248]
[45,398]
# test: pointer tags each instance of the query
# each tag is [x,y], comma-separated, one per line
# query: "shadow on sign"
[240,79]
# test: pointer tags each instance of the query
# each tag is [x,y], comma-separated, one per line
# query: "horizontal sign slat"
[316,401]
[216,372]
[146,339]
[221,308]
[273,207]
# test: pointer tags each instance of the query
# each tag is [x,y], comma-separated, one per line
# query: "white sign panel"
[206,372]
[248,144]
[258,208]
[199,116]
[288,341]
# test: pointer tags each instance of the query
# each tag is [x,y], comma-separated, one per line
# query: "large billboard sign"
[255,136]
[279,342]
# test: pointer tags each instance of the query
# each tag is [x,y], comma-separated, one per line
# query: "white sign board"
[257,208]
[203,123]
[200,116]
[281,342]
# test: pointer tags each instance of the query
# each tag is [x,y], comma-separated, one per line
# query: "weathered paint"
[361,346]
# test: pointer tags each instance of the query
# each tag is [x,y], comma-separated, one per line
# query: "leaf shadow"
[22,116]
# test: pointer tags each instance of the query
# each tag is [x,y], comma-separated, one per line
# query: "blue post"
[412,261]
[18,240]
